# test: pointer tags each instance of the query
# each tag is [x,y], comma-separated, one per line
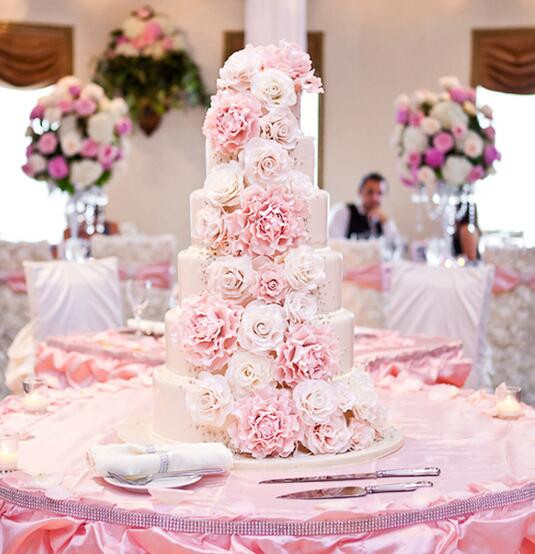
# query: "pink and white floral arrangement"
[266,368]
[78,136]
[444,137]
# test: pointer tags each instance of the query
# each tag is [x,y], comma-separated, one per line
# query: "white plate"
[164,483]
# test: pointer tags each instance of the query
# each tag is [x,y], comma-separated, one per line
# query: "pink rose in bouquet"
[231,121]
[58,167]
[47,143]
[265,424]
[85,106]
[89,148]
[308,352]
[207,330]
[331,437]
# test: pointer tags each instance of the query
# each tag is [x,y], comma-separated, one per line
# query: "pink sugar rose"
[362,434]
[89,148]
[107,154]
[231,121]
[85,106]
[37,112]
[434,157]
[47,143]
[207,330]
[211,228]
[476,173]
[65,105]
[443,142]
[270,221]
[265,424]
[272,284]
[332,437]
[265,162]
[308,352]
[58,168]
[239,69]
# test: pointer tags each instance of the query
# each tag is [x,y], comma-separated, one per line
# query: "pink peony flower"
[58,168]
[207,330]
[272,284]
[332,437]
[107,154]
[362,434]
[37,112]
[47,143]
[434,157]
[443,142]
[85,106]
[308,352]
[491,154]
[65,105]
[89,148]
[476,173]
[74,90]
[265,424]
[270,222]
[231,121]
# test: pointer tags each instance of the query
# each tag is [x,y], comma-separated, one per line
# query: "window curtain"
[34,55]
[504,60]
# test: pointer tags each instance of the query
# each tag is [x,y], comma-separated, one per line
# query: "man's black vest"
[359,225]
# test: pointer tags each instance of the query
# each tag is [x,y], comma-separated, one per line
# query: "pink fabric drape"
[376,276]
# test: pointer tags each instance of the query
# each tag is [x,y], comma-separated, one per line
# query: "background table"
[484,501]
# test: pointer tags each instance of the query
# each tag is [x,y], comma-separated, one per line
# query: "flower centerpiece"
[146,63]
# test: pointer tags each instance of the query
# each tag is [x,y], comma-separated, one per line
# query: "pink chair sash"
[15,280]
[506,280]
[159,274]
[376,277]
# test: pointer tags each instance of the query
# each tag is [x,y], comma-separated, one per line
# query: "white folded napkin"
[135,460]
[147,326]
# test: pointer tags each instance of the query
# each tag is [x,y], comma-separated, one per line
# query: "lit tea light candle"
[36,397]
[9,453]
[509,406]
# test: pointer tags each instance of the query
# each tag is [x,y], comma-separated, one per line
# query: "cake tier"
[193,271]
[340,322]
[316,223]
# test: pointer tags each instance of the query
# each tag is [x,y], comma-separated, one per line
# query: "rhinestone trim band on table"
[266,527]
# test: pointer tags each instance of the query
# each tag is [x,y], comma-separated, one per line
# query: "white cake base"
[139,430]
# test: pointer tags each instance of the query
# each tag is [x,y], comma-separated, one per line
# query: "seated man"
[365,220]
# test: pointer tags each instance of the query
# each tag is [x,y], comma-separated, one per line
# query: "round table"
[484,501]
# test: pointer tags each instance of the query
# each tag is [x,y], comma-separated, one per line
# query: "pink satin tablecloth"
[484,501]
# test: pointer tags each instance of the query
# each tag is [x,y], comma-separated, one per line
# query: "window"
[505,201]
[27,211]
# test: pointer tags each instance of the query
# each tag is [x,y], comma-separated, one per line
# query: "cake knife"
[354,492]
[379,474]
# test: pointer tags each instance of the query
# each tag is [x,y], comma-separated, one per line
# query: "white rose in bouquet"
[67,82]
[100,127]
[68,125]
[282,127]
[232,277]
[305,269]
[209,400]
[71,143]
[315,400]
[265,162]
[118,107]
[93,91]
[300,306]
[448,82]
[262,327]
[53,115]
[248,373]
[84,173]
[448,114]
[426,175]
[456,169]
[224,184]
[430,126]
[414,140]
[132,26]
[473,144]
[274,89]
[37,163]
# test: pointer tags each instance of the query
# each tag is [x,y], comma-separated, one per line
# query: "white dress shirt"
[339,222]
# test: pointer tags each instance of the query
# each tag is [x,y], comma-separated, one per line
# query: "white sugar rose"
[100,127]
[426,175]
[299,183]
[85,173]
[305,269]
[430,126]
[456,169]
[449,113]
[362,434]
[239,68]
[209,225]
[71,143]
[248,373]
[473,144]
[345,395]
[224,184]
[93,91]
[209,400]
[232,277]
[366,399]
[332,437]
[273,88]
[282,127]
[132,26]
[37,163]
[300,306]
[262,327]
[414,140]
[265,162]
[315,400]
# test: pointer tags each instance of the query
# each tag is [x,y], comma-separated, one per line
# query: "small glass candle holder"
[36,397]
[508,405]
[9,452]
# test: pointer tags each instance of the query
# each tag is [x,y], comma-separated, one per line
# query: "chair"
[365,301]
[150,257]
[65,297]
[448,302]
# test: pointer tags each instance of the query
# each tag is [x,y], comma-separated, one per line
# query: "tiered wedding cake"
[259,354]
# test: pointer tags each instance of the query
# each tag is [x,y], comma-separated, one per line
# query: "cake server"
[354,492]
[379,474]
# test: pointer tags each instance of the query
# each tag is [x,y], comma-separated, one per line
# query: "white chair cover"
[450,302]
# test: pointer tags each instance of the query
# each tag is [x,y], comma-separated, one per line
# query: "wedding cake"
[259,353]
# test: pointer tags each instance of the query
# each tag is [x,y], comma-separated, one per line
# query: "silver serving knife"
[354,492]
[379,474]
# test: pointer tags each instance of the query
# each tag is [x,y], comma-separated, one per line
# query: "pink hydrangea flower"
[272,284]
[89,148]
[308,352]
[443,142]
[207,330]
[37,112]
[331,437]
[265,424]
[47,143]
[232,120]
[85,106]
[58,168]
[270,221]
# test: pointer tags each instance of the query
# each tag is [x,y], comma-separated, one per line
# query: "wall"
[374,49]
